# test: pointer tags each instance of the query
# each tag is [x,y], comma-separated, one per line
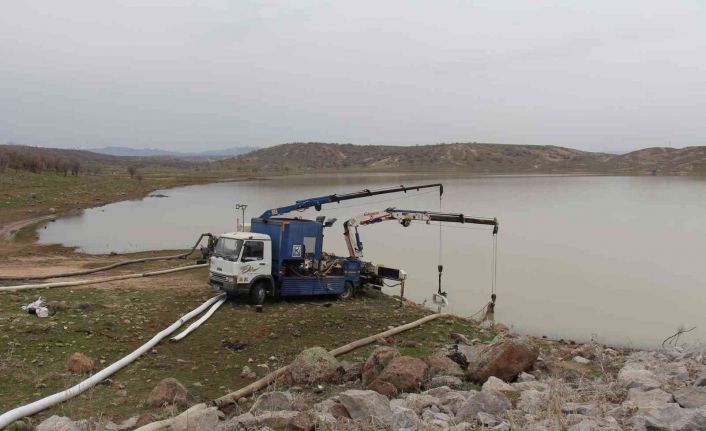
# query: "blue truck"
[283,257]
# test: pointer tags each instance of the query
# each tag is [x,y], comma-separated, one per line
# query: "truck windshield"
[228,248]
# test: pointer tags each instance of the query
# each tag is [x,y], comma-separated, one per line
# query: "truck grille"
[221,278]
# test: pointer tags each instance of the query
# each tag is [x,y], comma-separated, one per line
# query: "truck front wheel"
[347,292]
[258,293]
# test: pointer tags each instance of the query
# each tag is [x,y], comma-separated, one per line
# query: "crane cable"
[440,265]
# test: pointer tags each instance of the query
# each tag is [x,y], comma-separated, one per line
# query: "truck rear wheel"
[258,294]
[347,291]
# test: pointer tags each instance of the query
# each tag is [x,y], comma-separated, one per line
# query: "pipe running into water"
[37,406]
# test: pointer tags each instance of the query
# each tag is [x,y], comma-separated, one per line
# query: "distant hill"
[38,159]
[152,152]
[478,158]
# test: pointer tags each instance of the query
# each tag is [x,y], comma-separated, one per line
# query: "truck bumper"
[230,288]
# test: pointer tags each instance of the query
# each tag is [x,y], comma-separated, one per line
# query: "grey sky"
[185,75]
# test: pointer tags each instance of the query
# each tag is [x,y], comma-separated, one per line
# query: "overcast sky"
[189,75]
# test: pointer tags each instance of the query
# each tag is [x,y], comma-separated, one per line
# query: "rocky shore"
[512,383]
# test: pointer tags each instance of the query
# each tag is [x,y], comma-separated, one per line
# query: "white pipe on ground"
[198,323]
[98,280]
[27,410]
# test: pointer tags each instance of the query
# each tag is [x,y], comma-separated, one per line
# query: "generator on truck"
[284,257]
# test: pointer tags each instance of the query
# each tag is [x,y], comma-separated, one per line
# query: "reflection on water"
[620,259]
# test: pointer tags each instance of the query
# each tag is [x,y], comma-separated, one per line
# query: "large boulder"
[691,397]
[197,418]
[404,420]
[630,376]
[441,365]
[272,401]
[405,373]
[492,402]
[314,365]
[367,406]
[376,362]
[671,417]
[647,400]
[80,364]
[384,388]
[168,391]
[505,360]
[62,423]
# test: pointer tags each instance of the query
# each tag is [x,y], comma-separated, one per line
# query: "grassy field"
[108,321]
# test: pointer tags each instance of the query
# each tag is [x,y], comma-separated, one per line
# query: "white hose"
[98,280]
[198,323]
[44,403]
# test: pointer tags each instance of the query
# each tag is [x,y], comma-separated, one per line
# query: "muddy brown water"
[618,259]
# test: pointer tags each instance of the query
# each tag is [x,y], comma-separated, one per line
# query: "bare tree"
[75,167]
[139,177]
[132,170]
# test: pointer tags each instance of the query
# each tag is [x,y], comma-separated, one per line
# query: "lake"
[617,259]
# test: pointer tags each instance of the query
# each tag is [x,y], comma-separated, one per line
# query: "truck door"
[255,260]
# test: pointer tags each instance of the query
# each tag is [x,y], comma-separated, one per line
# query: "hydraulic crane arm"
[322,200]
[405,217]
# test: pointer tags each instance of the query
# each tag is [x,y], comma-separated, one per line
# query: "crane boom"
[405,217]
[317,202]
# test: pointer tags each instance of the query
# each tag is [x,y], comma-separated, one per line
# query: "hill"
[151,152]
[38,159]
[477,158]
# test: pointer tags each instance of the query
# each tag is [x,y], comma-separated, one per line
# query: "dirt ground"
[107,321]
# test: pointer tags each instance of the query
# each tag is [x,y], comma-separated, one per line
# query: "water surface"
[618,259]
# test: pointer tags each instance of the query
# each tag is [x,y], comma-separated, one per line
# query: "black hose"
[107,267]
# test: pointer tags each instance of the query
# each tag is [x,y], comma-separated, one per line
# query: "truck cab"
[241,264]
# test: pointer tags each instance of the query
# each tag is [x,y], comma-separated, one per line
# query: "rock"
[419,402]
[384,388]
[366,406]
[376,362]
[405,373]
[647,400]
[331,407]
[452,401]
[429,415]
[448,381]
[303,421]
[505,360]
[352,371]
[691,397]
[459,338]
[168,391]
[671,417]
[80,364]
[492,402]
[577,408]
[701,379]
[532,401]
[124,425]
[272,401]
[197,418]
[404,420]
[586,425]
[277,420]
[438,391]
[525,377]
[62,423]
[145,418]
[464,355]
[494,383]
[314,365]
[581,360]
[247,373]
[488,420]
[440,365]
[630,377]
